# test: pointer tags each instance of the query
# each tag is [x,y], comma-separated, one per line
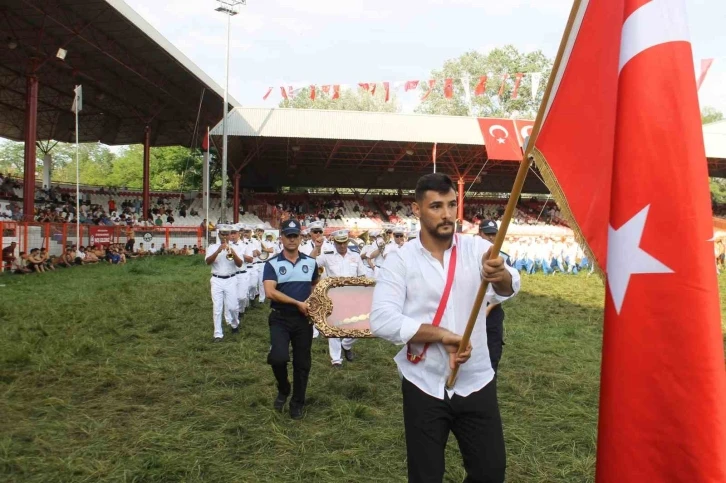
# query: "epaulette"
[328,253]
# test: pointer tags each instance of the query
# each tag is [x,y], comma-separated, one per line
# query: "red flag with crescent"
[628,167]
[500,139]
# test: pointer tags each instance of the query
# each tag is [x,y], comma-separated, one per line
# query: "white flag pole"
[77,106]
[206,190]
[434,156]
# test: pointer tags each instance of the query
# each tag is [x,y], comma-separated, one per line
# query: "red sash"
[416,358]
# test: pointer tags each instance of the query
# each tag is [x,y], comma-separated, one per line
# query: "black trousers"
[475,422]
[287,329]
[495,335]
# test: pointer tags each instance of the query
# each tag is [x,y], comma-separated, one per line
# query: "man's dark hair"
[438,182]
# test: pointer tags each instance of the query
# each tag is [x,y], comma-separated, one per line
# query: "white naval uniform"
[337,265]
[224,291]
[260,284]
[251,272]
[242,276]
[307,248]
[378,261]
[366,251]
[258,267]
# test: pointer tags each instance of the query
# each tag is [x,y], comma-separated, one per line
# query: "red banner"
[100,235]
[524,129]
[500,139]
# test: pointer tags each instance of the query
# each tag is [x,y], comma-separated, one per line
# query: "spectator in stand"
[193,212]
[111,205]
[9,253]
[182,210]
[170,218]
[158,221]
[6,212]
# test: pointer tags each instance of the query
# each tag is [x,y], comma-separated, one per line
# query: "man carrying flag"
[663,384]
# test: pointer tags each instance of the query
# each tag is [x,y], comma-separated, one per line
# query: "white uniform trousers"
[243,290]
[224,299]
[260,284]
[335,346]
[252,286]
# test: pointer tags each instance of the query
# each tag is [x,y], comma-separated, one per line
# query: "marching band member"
[368,248]
[251,253]
[412,307]
[341,263]
[225,262]
[399,238]
[240,247]
[382,244]
[259,262]
[289,281]
[317,244]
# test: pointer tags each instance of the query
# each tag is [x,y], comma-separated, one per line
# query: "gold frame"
[321,306]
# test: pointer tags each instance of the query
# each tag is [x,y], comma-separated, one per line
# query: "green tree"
[350,100]
[505,60]
[11,158]
[709,114]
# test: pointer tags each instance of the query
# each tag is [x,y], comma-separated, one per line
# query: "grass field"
[109,374]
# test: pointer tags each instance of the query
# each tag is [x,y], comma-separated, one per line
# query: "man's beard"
[434,233]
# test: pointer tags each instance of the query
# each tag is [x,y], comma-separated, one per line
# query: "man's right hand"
[451,343]
[303,307]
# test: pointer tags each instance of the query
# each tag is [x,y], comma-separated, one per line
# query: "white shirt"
[221,265]
[308,247]
[407,294]
[239,248]
[337,265]
[80,254]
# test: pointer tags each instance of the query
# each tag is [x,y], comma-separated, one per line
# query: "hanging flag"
[336,91]
[312,93]
[205,141]
[448,88]
[481,86]
[77,99]
[267,94]
[662,414]
[518,79]
[705,65]
[536,78]
[387,89]
[504,83]
[365,86]
[373,88]
[431,83]
[325,89]
[284,93]
[500,139]
[410,85]
[524,129]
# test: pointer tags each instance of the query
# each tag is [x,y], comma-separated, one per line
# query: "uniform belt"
[378,266]
[249,266]
[224,276]
[241,271]
[258,263]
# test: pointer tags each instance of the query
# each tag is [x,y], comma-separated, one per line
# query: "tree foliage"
[350,100]
[172,168]
[505,60]
[709,114]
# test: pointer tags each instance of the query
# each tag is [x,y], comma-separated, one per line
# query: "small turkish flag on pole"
[411,84]
[432,83]
[387,89]
[336,91]
[663,384]
[283,92]
[267,94]
[481,86]
[500,139]
[448,88]
[312,92]
[517,80]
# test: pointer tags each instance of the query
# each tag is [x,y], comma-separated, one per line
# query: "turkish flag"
[283,92]
[336,91]
[409,85]
[267,94]
[312,92]
[500,139]
[481,86]
[205,141]
[387,89]
[448,88]
[524,129]
[628,166]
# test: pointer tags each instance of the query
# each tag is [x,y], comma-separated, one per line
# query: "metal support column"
[31,128]
[147,155]
[460,202]
[235,215]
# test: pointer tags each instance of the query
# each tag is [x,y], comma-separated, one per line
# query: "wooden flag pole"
[516,188]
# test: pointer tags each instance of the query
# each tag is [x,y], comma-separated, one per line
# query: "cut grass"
[109,374]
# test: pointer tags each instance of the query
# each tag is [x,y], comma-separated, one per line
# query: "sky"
[282,42]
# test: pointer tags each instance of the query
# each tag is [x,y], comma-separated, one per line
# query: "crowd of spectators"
[324,209]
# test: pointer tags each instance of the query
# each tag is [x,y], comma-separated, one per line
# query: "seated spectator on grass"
[80,255]
[34,261]
[153,250]
[195,249]
[90,256]
[47,262]
[142,251]
[66,259]
[174,250]
[19,264]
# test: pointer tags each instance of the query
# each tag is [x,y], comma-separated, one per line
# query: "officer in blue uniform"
[289,279]
[495,317]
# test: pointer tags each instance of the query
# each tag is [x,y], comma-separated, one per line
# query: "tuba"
[264,255]
[361,244]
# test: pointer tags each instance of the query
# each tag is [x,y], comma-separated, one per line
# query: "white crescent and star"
[526,131]
[498,127]
[626,258]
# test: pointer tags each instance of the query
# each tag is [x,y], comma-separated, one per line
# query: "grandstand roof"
[306,148]
[131,75]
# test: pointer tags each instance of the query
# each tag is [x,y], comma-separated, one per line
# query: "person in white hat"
[318,244]
[239,245]
[341,263]
[264,247]
[224,261]
[252,251]
[382,248]
[399,238]
[367,249]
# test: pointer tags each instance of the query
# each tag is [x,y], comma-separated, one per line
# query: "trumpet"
[230,253]
[380,242]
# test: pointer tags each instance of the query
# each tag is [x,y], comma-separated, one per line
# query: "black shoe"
[338,366]
[217,339]
[280,401]
[235,330]
[349,356]
[296,412]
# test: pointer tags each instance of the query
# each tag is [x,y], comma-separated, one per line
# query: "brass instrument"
[264,255]
[380,242]
[361,244]
[230,253]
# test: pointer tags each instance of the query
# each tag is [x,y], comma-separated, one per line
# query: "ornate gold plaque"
[341,306]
